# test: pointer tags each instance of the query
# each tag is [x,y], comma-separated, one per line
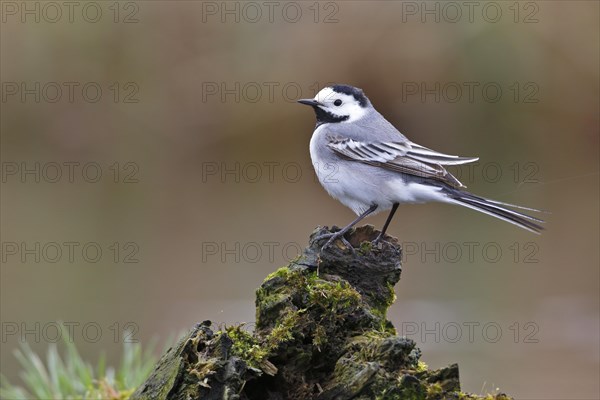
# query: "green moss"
[434,390]
[384,327]
[421,366]
[320,337]
[406,388]
[469,396]
[380,309]
[246,346]
[377,334]
[269,303]
[288,318]
[282,272]
[392,298]
[365,247]
[284,331]
[411,388]
[333,296]
[387,394]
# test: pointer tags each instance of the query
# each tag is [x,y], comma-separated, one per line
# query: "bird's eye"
[337,103]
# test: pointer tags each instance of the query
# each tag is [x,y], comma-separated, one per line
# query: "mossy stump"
[321,333]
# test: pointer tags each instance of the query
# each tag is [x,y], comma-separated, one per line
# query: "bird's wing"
[405,157]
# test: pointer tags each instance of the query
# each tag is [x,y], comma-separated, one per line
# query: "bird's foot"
[377,243]
[332,238]
[377,239]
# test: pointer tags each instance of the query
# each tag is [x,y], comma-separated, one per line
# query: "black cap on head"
[357,93]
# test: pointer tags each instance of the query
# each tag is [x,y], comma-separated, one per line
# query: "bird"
[363,161]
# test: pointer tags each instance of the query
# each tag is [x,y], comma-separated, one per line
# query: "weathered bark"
[321,333]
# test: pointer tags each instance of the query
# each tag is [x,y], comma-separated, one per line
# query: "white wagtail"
[368,165]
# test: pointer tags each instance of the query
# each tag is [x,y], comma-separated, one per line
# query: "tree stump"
[321,333]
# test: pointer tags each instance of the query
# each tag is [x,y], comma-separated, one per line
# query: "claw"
[342,232]
[378,239]
[332,238]
[324,236]
[377,245]
[348,245]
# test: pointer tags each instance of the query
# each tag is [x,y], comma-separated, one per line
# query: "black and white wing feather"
[406,157]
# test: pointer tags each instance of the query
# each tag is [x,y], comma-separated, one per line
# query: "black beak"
[309,102]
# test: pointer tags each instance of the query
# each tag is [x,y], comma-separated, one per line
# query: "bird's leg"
[387,223]
[340,234]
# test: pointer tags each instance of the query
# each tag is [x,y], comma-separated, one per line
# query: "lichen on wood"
[321,333]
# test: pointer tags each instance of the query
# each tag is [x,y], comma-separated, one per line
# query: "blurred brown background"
[206,179]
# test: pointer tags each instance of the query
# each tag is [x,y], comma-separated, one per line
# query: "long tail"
[496,209]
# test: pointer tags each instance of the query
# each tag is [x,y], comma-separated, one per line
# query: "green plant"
[70,377]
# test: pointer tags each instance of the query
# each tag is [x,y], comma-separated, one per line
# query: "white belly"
[359,186]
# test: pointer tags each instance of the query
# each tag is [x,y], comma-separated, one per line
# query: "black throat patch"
[324,117]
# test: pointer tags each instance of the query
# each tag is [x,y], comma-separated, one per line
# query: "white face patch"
[349,105]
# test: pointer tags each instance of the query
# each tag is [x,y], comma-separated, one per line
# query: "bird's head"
[339,103]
